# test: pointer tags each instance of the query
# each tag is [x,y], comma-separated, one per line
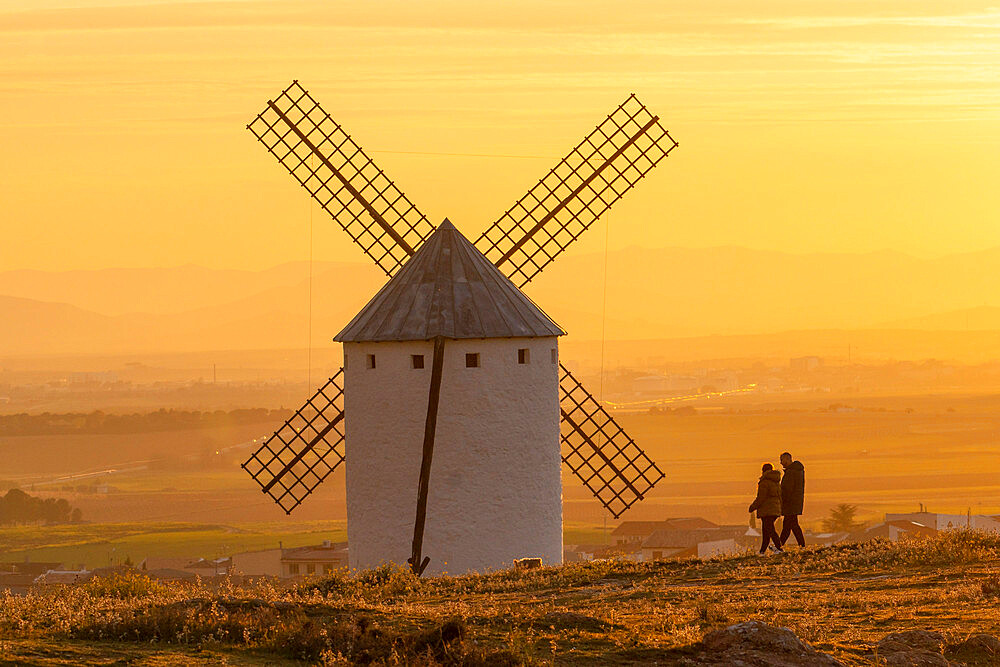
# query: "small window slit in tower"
[523,355]
[370,361]
[417,360]
[472,360]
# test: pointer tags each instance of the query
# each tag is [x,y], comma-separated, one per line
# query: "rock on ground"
[976,650]
[924,648]
[759,645]
[913,648]
[756,644]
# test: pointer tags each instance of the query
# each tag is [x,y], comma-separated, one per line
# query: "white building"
[495,489]
[948,521]
[895,530]
[317,559]
[688,543]
[263,562]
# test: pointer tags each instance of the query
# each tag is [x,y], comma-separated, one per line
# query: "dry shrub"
[990,586]
[953,547]
[568,576]
[711,615]
[191,622]
[570,620]
[392,582]
[281,628]
[124,586]
[385,582]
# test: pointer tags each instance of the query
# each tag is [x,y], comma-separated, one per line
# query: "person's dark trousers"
[789,525]
[768,533]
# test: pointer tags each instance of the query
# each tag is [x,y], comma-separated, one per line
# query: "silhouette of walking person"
[768,506]
[793,490]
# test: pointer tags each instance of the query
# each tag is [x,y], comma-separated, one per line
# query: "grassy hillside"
[841,600]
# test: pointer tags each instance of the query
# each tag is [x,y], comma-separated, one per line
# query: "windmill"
[451,376]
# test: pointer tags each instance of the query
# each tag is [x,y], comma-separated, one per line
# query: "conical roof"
[448,288]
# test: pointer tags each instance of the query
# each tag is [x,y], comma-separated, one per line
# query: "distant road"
[126,467]
[654,402]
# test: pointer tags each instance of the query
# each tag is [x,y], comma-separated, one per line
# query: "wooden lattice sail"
[339,175]
[573,195]
[305,450]
[599,451]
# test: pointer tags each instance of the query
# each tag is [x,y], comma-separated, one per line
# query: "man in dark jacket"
[793,490]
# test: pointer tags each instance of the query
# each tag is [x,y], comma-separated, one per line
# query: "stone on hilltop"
[759,644]
[913,648]
[977,650]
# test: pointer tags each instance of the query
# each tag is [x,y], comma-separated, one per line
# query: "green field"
[883,453]
[99,545]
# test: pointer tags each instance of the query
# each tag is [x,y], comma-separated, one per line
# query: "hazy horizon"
[361,260]
[652,294]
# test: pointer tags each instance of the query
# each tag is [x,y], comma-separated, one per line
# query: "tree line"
[17,507]
[99,422]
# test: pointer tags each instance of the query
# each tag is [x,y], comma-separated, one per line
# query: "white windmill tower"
[451,327]
[452,382]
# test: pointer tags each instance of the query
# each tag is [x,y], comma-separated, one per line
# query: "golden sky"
[803,125]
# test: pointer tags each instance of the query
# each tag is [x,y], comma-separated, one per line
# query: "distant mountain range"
[981,318]
[650,294]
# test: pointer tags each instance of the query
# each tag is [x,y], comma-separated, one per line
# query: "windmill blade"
[356,193]
[600,452]
[305,450]
[570,198]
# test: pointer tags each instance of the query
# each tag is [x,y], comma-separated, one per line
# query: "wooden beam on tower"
[433,398]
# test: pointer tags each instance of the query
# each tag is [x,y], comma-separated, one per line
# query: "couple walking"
[780,495]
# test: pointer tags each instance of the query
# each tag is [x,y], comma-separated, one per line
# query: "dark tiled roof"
[645,528]
[25,567]
[63,577]
[333,551]
[170,574]
[688,523]
[682,539]
[637,528]
[913,526]
[448,288]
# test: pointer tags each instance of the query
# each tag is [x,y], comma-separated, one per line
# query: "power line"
[309,363]
[500,155]
[524,157]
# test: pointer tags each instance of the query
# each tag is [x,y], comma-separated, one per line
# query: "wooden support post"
[430,425]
